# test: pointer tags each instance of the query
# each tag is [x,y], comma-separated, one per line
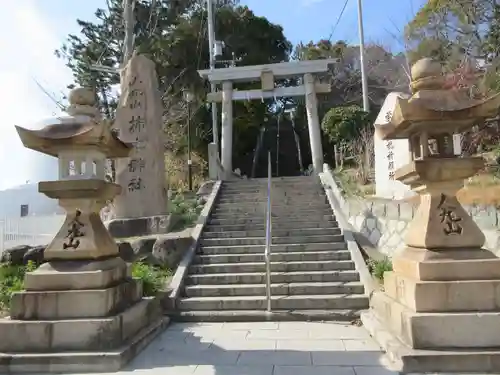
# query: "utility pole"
[128,50]
[364,79]
[128,42]
[188,98]
[213,88]
[128,20]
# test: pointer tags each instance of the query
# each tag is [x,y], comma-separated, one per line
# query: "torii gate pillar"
[313,123]
[227,127]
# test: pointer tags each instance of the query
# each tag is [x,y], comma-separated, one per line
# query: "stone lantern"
[443,291]
[81,311]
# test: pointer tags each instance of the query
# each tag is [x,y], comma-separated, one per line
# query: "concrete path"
[268,348]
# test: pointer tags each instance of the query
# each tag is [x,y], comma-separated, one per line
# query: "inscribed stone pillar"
[227,128]
[139,122]
[390,155]
[313,123]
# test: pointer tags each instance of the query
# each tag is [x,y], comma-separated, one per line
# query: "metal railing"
[267,252]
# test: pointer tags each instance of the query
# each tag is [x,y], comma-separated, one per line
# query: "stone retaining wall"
[384,223]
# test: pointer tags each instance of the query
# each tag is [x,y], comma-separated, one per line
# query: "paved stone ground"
[268,348]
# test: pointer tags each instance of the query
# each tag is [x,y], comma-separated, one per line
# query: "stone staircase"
[313,277]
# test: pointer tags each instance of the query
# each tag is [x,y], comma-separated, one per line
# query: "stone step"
[262,315]
[275,194]
[276,289]
[281,302]
[275,233]
[237,198]
[280,216]
[274,187]
[259,249]
[284,208]
[275,240]
[263,180]
[309,256]
[264,183]
[327,265]
[211,228]
[245,201]
[276,277]
[293,220]
[262,207]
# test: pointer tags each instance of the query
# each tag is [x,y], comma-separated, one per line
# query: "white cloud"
[27,54]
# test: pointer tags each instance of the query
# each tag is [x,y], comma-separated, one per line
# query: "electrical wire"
[153,9]
[201,32]
[338,20]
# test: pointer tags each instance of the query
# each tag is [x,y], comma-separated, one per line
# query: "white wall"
[39,205]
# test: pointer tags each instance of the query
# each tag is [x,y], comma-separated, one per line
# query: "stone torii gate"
[267,74]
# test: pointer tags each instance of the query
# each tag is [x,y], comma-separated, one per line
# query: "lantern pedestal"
[83,235]
[440,308]
[81,311]
[439,311]
[440,221]
[78,316]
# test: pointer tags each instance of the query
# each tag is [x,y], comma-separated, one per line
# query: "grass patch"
[378,267]
[187,209]
[483,188]
[153,278]
[11,281]
[348,181]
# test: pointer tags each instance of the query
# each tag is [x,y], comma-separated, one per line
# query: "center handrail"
[267,252]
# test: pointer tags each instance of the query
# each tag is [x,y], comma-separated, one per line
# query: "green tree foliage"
[344,124]
[174,35]
[451,29]
[386,72]
[324,49]
[461,34]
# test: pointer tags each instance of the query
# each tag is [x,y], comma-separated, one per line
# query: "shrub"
[12,280]
[379,267]
[346,182]
[153,277]
[344,124]
[187,209]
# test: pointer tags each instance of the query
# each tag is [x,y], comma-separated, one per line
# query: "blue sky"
[35,28]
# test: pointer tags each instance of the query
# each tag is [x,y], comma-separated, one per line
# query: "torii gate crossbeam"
[267,75]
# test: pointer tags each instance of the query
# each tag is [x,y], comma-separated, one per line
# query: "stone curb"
[177,281]
[347,230]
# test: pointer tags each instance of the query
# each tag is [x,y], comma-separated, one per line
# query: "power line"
[338,20]
[153,9]
[49,95]
[199,42]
